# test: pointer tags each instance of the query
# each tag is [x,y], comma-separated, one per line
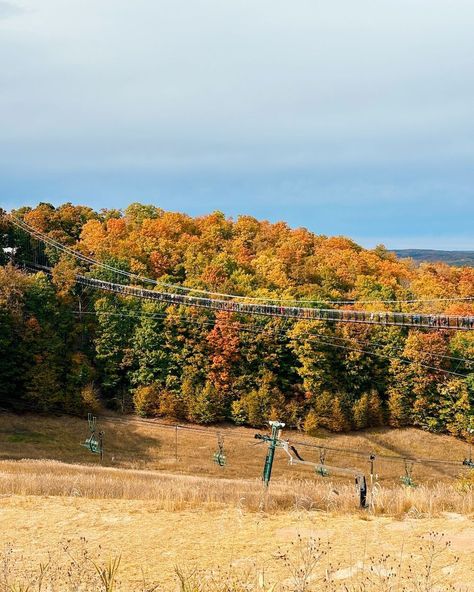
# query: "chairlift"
[321,469]
[407,478]
[93,443]
[219,455]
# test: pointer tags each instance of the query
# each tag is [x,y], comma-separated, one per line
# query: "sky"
[353,118]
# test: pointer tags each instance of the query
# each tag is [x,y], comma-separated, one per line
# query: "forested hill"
[457,258]
[68,348]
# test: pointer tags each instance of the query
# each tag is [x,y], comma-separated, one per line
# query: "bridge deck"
[293,312]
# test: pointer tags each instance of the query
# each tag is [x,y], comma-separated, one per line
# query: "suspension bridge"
[132,285]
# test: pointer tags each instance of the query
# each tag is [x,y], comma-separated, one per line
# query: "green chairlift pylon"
[273,441]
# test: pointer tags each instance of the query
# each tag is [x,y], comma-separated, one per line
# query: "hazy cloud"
[8,9]
[298,104]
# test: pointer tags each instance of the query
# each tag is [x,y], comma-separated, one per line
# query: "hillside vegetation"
[144,460]
[194,365]
[145,444]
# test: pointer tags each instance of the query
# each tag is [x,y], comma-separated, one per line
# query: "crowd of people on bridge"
[322,314]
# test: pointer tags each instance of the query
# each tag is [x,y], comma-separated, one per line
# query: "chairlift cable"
[322,338]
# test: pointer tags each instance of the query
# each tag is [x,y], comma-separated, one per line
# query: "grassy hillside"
[144,444]
[183,520]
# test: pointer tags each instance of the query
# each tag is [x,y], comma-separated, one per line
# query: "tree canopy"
[66,348]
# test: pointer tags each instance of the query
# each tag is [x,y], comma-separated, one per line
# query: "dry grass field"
[145,444]
[183,523]
[173,492]
[220,545]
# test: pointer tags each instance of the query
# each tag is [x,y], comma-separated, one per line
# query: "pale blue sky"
[345,117]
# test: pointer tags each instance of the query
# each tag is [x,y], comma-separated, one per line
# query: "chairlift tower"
[469,462]
[273,441]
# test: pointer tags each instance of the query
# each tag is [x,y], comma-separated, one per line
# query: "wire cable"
[385,457]
[322,338]
[232,324]
[41,236]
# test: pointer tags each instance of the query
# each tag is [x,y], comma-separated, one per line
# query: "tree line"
[64,348]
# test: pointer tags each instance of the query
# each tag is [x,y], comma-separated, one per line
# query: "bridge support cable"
[242,304]
[292,312]
[177,300]
[180,300]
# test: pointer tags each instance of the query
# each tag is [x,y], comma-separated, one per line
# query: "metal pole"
[470,431]
[362,487]
[372,460]
[267,469]
[101,446]
[176,444]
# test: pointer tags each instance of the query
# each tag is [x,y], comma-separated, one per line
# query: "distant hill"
[457,258]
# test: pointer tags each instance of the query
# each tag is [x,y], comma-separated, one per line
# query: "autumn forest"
[69,349]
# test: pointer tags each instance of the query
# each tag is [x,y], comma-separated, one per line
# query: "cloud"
[8,9]
[183,85]
[312,102]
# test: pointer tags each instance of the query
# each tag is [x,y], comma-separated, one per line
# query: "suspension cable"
[45,238]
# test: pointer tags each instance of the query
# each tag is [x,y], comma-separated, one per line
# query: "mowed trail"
[155,540]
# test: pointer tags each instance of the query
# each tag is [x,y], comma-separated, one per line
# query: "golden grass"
[158,511]
[176,492]
[229,549]
[142,444]
[186,476]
